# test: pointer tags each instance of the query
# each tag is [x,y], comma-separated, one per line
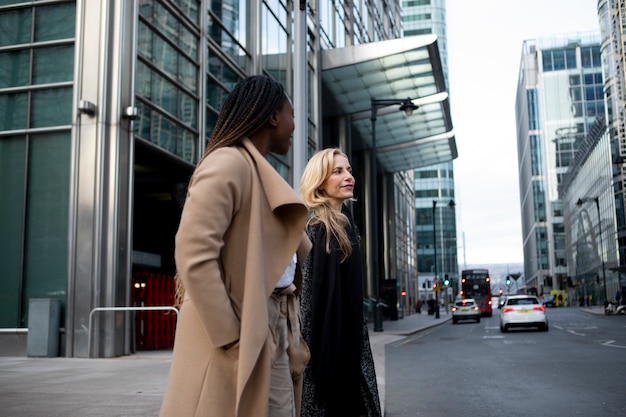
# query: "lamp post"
[407,106]
[435,279]
[596,200]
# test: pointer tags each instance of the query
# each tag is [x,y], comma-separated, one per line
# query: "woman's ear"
[273,119]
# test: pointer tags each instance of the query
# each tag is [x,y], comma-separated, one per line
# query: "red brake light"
[539,308]
[507,309]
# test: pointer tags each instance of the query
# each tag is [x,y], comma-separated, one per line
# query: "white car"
[523,311]
[465,310]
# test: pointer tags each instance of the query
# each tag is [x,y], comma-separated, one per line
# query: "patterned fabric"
[313,404]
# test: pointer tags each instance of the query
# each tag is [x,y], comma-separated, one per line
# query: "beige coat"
[239,229]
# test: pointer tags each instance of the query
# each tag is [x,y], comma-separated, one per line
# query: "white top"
[287,278]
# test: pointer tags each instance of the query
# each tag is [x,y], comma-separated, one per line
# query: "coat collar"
[277,190]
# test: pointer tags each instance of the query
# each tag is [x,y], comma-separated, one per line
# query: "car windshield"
[464,303]
[521,301]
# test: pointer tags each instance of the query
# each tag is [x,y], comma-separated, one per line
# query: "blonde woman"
[340,379]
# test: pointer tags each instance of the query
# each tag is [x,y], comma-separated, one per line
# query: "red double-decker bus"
[476,284]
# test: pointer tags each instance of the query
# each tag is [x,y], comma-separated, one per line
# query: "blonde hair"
[317,170]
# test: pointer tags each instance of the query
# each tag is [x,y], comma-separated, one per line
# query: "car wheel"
[544,327]
[454,321]
[478,320]
[503,329]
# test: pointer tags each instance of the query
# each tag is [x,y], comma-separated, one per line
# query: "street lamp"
[596,200]
[407,106]
[451,205]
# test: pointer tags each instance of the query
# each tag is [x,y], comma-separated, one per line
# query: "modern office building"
[589,220]
[593,188]
[559,97]
[436,227]
[612,17]
[106,106]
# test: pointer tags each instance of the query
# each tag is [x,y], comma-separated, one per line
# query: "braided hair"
[246,108]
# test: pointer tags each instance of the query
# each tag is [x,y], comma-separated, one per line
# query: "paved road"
[130,386]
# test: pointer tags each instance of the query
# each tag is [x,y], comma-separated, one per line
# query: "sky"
[484,49]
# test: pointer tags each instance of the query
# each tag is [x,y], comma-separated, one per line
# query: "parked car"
[548,300]
[523,311]
[466,309]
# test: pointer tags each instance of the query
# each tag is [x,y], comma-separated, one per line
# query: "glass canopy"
[393,70]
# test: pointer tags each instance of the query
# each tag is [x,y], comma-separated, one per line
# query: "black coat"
[340,376]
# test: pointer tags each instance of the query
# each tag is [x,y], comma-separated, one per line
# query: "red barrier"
[153,329]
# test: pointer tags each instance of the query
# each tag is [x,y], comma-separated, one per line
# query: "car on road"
[548,300]
[466,309]
[523,311]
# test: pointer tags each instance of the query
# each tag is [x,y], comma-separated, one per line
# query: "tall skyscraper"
[435,226]
[559,97]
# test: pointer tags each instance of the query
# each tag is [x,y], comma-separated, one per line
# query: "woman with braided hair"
[340,379]
[239,245]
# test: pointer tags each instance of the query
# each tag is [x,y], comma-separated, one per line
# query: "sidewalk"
[131,386]
[395,330]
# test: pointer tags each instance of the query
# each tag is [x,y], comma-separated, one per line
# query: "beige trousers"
[291,356]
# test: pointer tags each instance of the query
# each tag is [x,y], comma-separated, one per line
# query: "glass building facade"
[559,97]
[433,183]
[105,107]
[589,221]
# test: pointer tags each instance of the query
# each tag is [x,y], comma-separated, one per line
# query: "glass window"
[53,64]
[590,56]
[274,41]
[227,26]
[570,58]
[187,145]
[536,155]
[215,94]
[16,27]
[558,60]
[143,122]
[546,57]
[15,112]
[12,176]
[163,132]
[15,68]
[56,21]
[52,107]
[143,81]
[47,199]
[190,8]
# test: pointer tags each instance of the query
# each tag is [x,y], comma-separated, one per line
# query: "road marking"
[611,343]
[493,337]
[576,333]
[492,327]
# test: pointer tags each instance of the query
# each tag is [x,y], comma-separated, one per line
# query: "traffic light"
[446,280]
[508,280]
[500,291]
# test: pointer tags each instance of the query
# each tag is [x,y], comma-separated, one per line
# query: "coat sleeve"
[220,183]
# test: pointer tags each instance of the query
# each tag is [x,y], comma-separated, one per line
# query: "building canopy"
[395,69]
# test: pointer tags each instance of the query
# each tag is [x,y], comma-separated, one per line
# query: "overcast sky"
[484,49]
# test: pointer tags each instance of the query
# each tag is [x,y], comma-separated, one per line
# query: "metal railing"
[97,309]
